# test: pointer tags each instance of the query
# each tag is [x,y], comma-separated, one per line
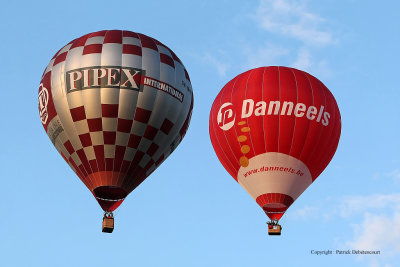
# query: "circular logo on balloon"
[226,117]
[43,101]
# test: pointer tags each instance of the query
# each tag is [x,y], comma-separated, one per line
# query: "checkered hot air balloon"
[275,129]
[115,104]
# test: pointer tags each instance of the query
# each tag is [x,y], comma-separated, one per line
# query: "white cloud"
[395,175]
[306,62]
[292,19]
[360,204]
[348,207]
[287,18]
[377,232]
[378,229]
[380,226]
[266,55]
[221,66]
[305,213]
[303,60]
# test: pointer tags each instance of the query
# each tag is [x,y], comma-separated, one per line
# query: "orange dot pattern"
[242,138]
[245,129]
[244,161]
[245,149]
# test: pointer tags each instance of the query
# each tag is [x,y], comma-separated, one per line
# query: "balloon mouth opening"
[109,197]
[275,211]
[274,206]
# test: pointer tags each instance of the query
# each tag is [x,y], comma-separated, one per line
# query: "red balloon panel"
[275,129]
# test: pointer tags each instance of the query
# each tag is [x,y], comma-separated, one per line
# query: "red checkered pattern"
[113,136]
[93,43]
[120,161]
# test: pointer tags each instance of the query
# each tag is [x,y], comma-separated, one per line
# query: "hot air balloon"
[275,129]
[115,104]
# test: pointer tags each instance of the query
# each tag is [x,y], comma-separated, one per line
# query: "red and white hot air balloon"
[275,129]
[115,104]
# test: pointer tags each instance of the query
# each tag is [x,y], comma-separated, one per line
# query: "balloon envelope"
[275,129]
[115,104]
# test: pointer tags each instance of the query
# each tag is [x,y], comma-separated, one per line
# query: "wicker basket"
[274,230]
[108,225]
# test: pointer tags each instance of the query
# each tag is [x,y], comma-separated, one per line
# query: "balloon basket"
[274,229]
[108,223]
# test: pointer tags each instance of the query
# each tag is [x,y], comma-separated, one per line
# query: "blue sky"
[190,212]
